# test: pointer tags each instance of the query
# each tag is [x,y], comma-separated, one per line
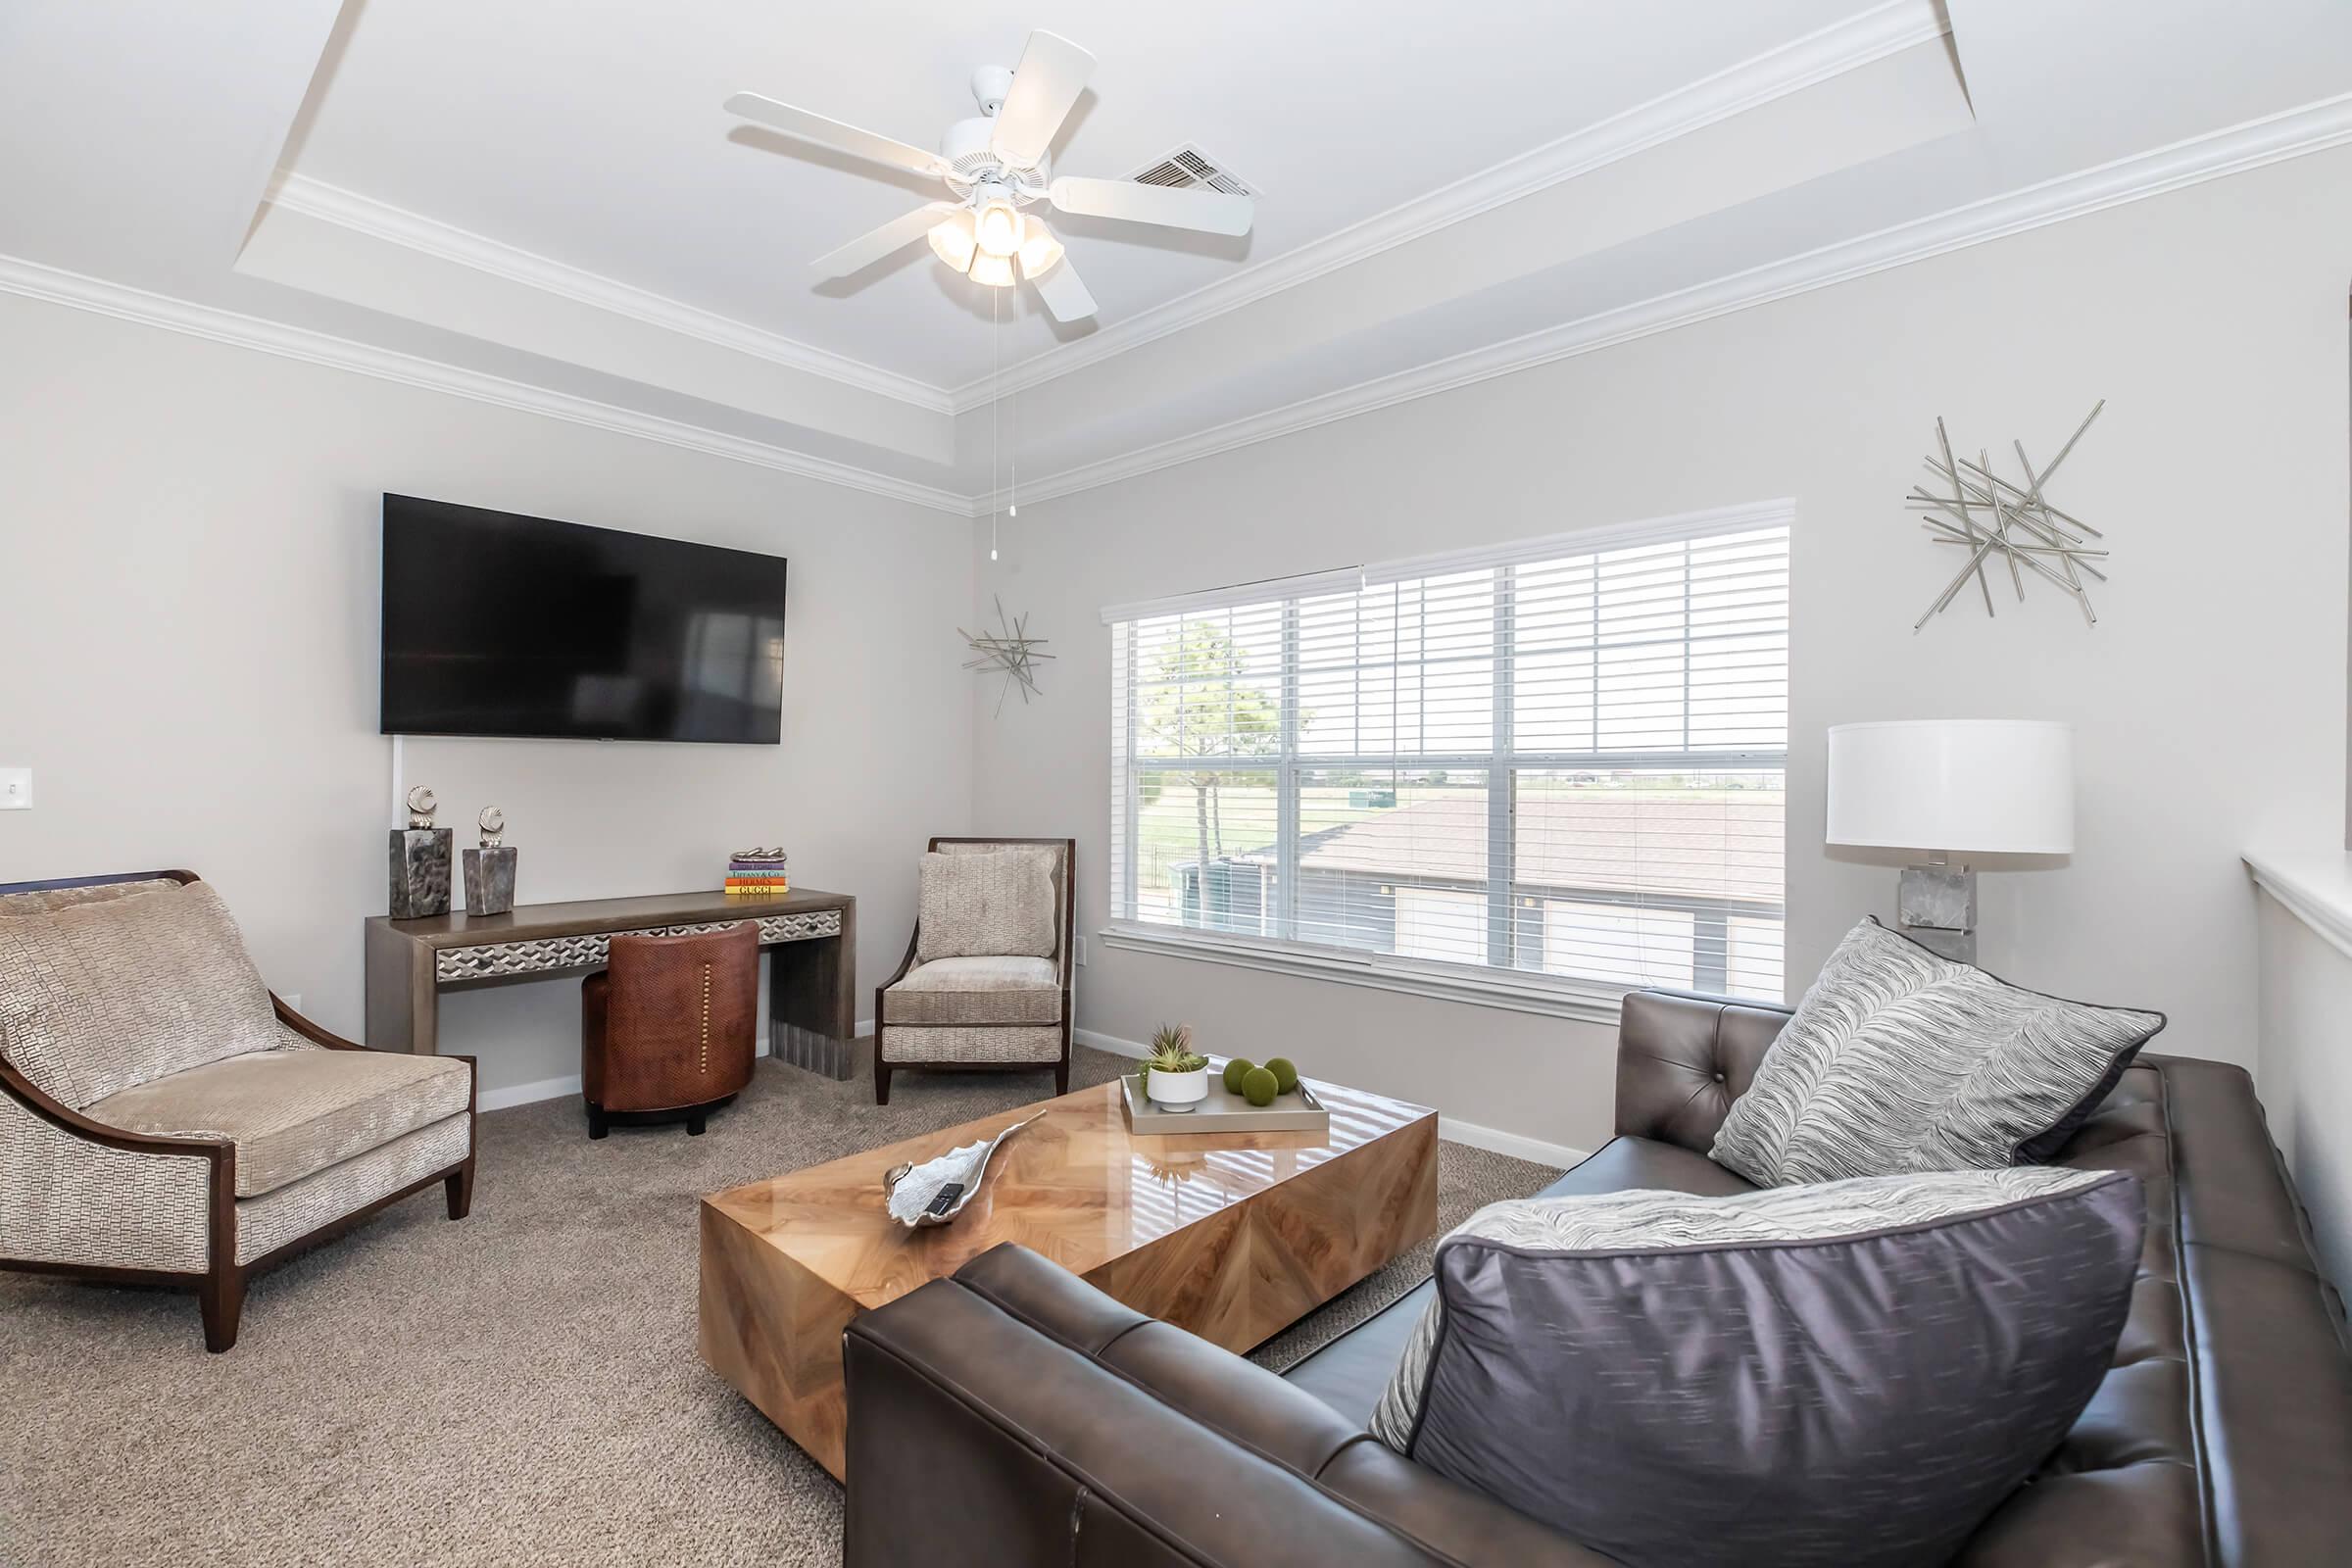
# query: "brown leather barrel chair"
[668,1028]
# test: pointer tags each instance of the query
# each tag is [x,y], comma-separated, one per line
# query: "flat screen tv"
[498,624]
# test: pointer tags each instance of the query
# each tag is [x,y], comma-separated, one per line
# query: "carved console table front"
[812,938]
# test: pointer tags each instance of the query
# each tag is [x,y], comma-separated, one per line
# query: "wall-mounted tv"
[498,624]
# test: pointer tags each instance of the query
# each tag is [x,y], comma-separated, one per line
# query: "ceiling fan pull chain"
[996,397]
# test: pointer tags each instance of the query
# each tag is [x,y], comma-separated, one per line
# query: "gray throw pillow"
[1899,1059]
[994,905]
[1852,1374]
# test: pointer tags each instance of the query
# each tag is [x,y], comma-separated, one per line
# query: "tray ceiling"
[544,195]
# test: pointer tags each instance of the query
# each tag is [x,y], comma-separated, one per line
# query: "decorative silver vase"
[490,868]
[421,861]
[490,879]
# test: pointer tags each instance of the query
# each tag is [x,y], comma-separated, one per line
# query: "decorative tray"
[1223,1111]
[912,1191]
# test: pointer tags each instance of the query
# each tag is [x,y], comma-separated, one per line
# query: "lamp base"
[1935,907]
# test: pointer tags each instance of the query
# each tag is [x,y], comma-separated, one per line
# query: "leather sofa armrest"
[1014,1415]
[1683,1057]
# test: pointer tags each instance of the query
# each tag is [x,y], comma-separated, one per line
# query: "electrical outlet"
[1078,952]
[16,789]
[292,998]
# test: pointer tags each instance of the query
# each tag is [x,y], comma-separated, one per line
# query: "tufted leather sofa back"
[1682,1059]
[2221,1437]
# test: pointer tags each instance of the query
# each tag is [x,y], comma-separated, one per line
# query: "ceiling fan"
[995,165]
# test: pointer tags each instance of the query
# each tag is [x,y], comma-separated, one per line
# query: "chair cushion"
[974,991]
[994,905]
[290,1213]
[101,995]
[296,1112]
[984,1045]
[1901,1060]
[1855,1372]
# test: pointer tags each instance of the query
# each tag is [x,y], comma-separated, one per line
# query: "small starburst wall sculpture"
[1972,507]
[1011,650]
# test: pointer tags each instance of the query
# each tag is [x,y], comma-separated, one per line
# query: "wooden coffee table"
[1234,1236]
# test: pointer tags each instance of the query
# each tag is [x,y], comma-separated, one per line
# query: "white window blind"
[1564,760]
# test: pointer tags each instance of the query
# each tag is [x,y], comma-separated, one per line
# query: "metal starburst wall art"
[1991,518]
[1011,650]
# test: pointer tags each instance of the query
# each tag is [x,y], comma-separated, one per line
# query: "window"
[1527,773]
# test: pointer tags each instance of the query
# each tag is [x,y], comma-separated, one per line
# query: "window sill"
[2315,888]
[1480,988]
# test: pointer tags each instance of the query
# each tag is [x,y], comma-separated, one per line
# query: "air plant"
[1173,1052]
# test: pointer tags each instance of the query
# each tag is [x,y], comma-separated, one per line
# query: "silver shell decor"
[422,806]
[912,1188]
[492,822]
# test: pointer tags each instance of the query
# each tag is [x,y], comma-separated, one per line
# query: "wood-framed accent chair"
[1006,1011]
[170,1121]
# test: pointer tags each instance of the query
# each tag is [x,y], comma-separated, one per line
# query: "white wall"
[188,593]
[2209,700]
[2305,1073]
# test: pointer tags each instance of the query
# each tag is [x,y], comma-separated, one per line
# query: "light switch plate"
[1078,952]
[16,789]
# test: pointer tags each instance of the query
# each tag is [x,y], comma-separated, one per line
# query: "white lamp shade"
[1983,785]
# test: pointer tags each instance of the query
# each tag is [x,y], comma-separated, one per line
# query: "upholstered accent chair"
[986,980]
[164,1119]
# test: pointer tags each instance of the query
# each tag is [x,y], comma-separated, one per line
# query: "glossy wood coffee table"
[1234,1236]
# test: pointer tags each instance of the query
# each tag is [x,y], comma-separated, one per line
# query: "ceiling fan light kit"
[996,225]
[954,243]
[1039,252]
[994,165]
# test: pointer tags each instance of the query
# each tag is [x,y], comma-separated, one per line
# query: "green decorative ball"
[1259,1087]
[1285,1075]
[1235,1070]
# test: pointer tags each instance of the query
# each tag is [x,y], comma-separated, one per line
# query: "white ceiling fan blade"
[1208,211]
[1045,84]
[814,128]
[1065,296]
[874,244]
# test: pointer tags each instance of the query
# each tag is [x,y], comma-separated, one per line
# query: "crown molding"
[1843,46]
[2314,127]
[57,286]
[1803,63]
[397,226]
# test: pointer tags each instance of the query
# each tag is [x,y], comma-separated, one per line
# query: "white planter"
[1177,1091]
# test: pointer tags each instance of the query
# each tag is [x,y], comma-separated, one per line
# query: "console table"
[812,938]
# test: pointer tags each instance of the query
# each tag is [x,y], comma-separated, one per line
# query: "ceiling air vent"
[1187,167]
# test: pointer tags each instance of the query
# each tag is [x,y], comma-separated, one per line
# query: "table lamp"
[1951,786]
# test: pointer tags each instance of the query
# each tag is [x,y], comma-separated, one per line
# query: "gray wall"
[2305,1071]
[188,592]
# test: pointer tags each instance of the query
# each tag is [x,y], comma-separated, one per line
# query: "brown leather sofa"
[1013,1414]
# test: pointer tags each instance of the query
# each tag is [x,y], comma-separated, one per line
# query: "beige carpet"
[520,1387]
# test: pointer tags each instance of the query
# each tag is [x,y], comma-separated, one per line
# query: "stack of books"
[757,872]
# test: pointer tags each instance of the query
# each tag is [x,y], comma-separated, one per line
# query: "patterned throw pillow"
[1899,1059]
[98,996]
[996,904]
[1854,1373]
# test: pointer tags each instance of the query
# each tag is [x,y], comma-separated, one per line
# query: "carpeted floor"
[520,1387]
